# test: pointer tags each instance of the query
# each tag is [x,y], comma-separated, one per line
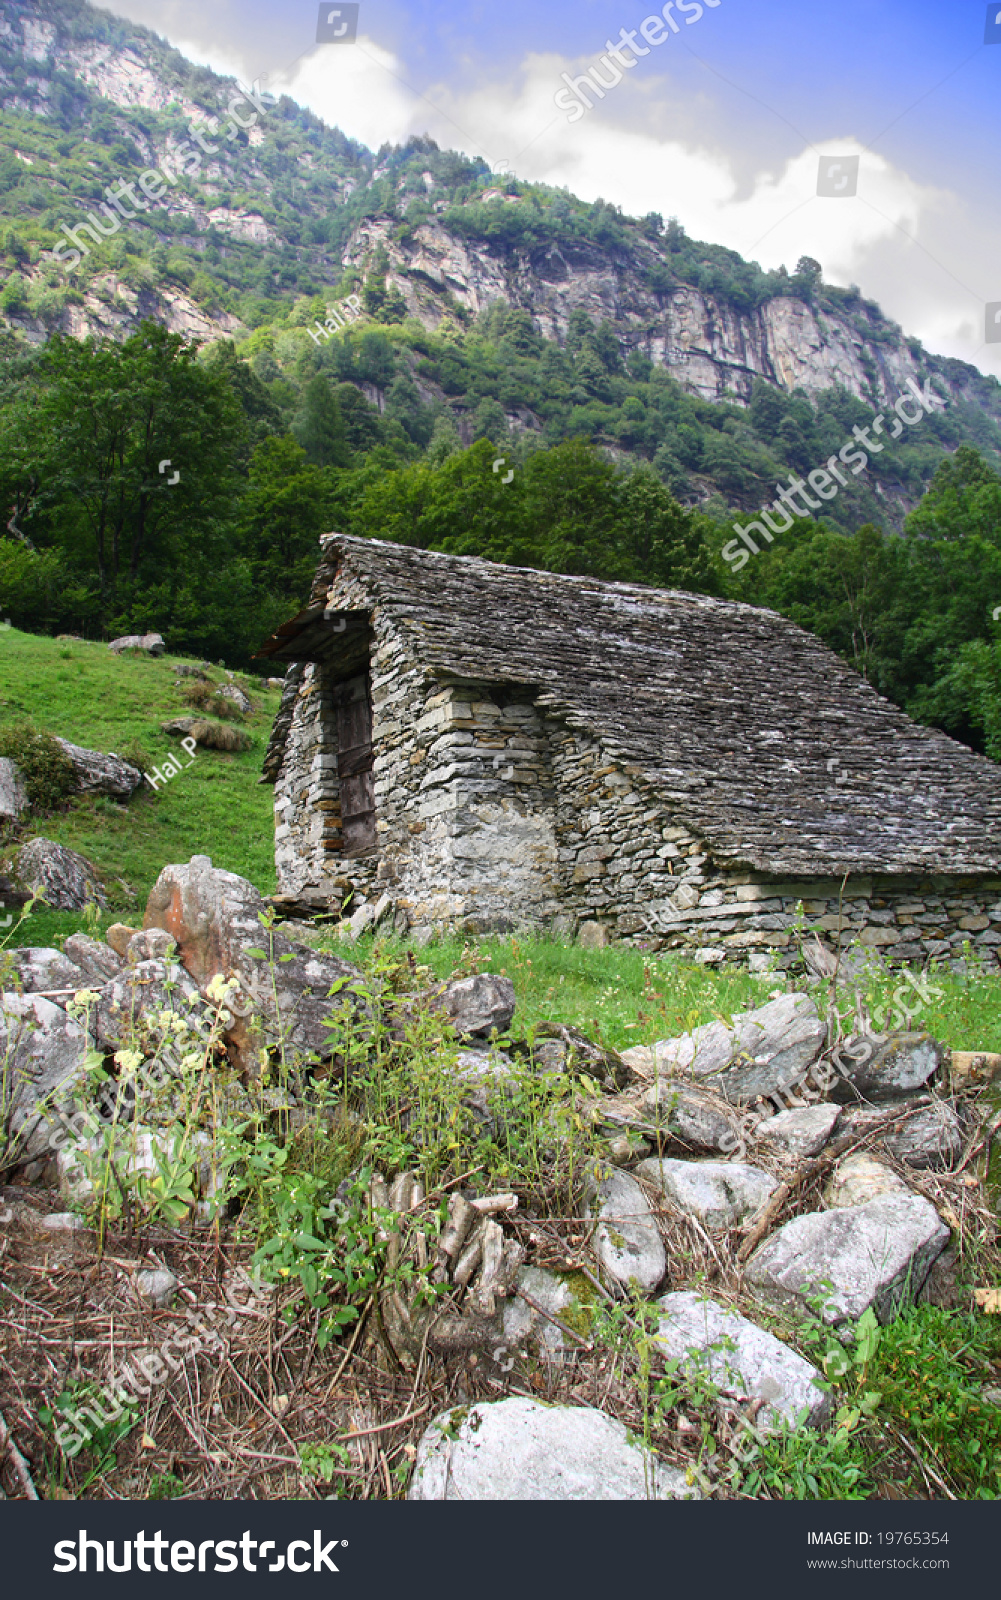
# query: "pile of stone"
[723,1129]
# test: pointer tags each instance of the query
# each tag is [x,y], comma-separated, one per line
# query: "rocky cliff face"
[712,350]
[271,193]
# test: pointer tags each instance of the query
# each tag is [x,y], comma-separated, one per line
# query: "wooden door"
[354,766]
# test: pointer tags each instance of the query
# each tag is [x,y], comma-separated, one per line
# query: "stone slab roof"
[766,744]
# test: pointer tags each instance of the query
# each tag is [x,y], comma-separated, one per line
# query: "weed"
[49,775]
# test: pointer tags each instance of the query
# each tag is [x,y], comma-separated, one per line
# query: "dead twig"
[20,1465]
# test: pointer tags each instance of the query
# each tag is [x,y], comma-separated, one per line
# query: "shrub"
[213,736]
[49,774]
[205,697]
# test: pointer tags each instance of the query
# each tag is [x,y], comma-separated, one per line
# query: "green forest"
[101,542]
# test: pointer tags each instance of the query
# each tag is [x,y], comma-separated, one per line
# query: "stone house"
[486,747]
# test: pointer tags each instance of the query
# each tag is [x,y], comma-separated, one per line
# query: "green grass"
[625,997]
[215,807]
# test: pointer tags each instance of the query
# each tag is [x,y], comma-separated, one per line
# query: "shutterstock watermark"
[182,162]
[828,482]
[575,98]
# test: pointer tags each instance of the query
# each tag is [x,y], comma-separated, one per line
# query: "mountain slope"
[264,229]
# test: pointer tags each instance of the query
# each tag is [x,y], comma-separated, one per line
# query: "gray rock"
[233,692]
[525,1325]
[41,968]
[100,774]
[156,1285]
[13,794]
[720,1193]
[150,944]
[151,643]
[517,1449]
[62,1222]
[741,1359]
[930,1136]
[43,1054]
[68,881]
[803,1131]
[691,1114]
[579,1054]
[627,1240]
[900,1065]
[98,962]
[477,1005]
[592,936]
[764,1050]
[877,1254]
[130,1008]
[860,1178]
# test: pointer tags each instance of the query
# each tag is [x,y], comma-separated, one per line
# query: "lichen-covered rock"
[801,1132]
[142,1005]
[150,644]
[627,1240]
[741,1359]
[13,794]
[101,774]
[764,1050]
[860,1178]
[517,1449]
[900,1065]
[719,1193]
[877,1255]
[43,1052]
[477,1006]
[533,1314]
[928,1135]
[692,1115]
[41,969]
[98,962]
[68,881]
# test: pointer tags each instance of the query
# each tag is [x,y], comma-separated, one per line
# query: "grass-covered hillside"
[82,692]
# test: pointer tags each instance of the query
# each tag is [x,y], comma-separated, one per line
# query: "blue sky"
[722,124]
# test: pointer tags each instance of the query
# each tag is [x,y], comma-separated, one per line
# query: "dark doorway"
[353,706]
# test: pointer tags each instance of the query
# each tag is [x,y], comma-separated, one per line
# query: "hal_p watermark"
[171,767]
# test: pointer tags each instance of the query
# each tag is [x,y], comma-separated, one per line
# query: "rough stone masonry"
[491,748]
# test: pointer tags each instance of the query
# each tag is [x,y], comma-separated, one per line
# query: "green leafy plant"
[49,774]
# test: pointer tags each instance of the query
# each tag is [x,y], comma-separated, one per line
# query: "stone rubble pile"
[710,1127]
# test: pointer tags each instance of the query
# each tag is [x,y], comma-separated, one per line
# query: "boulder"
[96,961]
[214,919]
[131,1008]
[149,944]
[517,1449]
[478,1005]
[68,881]
[41,970]
[13,794]
[592,936]
[719,1193]
[99,774]
[930,1135]
[692,1115]
[762,1051]
[860,1178]
[741,1359]
[43,1052]
[119,936]
[151,643]
[802,1132]
[578,1054]
[900,1065]
[233,692]
[877,1254]
[627,1240]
